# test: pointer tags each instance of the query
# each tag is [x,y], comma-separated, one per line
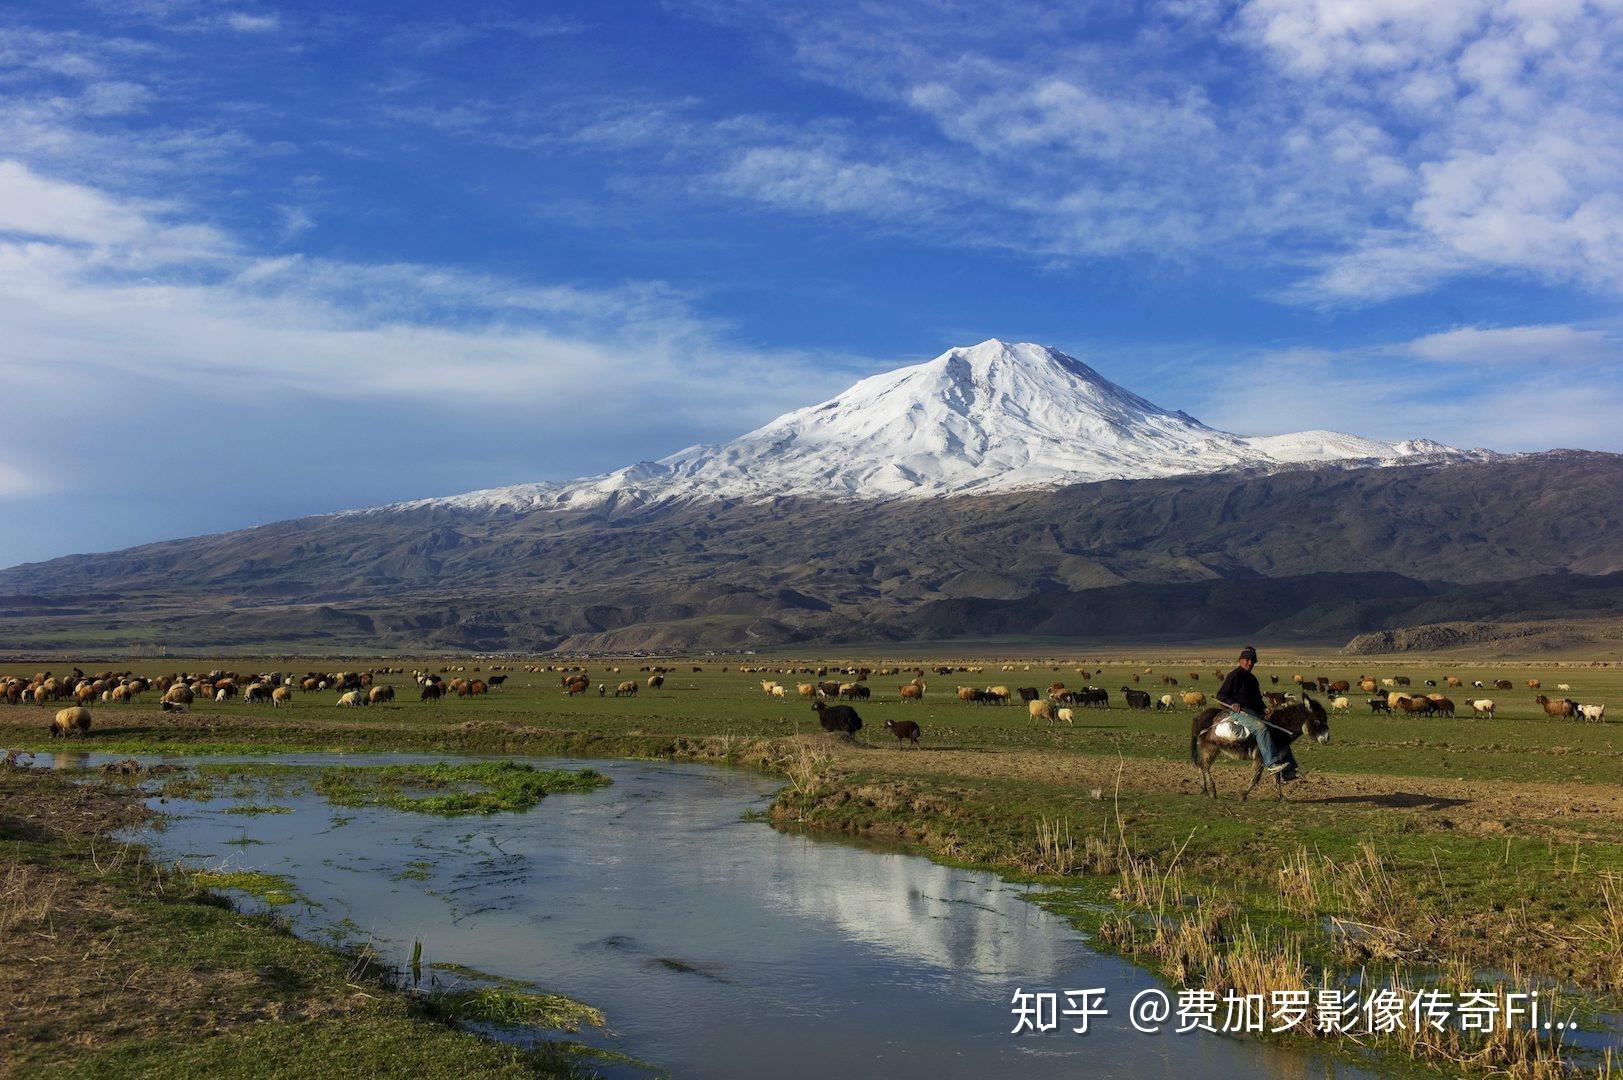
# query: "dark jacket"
[1241,688]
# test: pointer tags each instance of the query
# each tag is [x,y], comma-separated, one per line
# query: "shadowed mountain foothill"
[1046,501]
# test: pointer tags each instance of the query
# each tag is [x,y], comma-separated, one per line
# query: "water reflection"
[717,947]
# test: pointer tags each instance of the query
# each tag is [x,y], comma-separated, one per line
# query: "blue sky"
[260,260]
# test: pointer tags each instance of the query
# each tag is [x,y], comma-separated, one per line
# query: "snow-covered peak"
[997,416]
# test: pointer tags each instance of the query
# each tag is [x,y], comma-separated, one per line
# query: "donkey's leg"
[1256,778]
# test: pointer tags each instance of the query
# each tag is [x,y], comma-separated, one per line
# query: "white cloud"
[1521,345]
[246,23]
[1549,385]
[102,286]
[1377,148]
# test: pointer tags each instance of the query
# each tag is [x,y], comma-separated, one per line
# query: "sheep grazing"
[432,692]
[1483,707]
[1027,693]
[171,706]
[1595,713]
[1533,684]
[628,688]
[1165,702]
[1418,706]
[282,695]
[1194,699]
[1479,684]
[1441,704]
[1066,716]
[841,719]
[1562,707]
[1340,704]
[655,682]
[350,699]
[806,689]
[577,685]
[1453,681]
[906,731]
[375,696]
[1503,684]
[998,694]
[74,720]
[911,692]
[1041,710]
[1136,699]
[1379,705]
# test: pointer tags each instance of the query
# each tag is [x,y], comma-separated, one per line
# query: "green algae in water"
[451,790]
[273,889]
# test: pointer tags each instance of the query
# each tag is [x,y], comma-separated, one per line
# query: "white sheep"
[1485,706]
[352,698]
[1592,712]
[1066,715]
[1340,704]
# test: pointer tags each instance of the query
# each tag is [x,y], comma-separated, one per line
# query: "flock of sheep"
[177,692]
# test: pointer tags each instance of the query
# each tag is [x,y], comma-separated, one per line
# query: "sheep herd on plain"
[822,685]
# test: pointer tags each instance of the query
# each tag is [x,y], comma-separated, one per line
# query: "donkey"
[1286,725]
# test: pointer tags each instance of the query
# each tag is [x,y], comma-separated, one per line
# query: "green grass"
[1505,899]
[273,889]
[451,790]
[114,966]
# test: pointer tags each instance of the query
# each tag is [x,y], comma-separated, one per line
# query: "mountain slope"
[742,574]
[985,418]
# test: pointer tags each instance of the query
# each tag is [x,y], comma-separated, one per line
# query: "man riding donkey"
[1241,694]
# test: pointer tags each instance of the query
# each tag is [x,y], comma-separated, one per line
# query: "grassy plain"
[1469,848]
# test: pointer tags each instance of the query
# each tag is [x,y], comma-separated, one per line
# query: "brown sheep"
[375,696]
[627,688]
[911,692]
[1453,680]
[1441,704]
[1558,707]
[906,731]
[1194,699]
[1533,684]
[282,695]
[1041,710]
[73,719]
[1367,685]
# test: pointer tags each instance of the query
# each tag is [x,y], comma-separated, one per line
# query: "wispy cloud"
[1544,385]
[1381,148]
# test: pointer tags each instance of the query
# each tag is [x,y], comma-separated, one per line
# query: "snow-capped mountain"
[984,418]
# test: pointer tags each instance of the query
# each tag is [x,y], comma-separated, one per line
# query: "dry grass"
[808,769]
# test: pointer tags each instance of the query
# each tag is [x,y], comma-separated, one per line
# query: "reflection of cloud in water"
[931,914]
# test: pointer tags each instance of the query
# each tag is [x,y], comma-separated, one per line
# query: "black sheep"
[838,717]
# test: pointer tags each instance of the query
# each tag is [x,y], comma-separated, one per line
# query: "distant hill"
[1310,553]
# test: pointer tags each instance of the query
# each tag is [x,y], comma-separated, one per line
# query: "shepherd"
[1241,694]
